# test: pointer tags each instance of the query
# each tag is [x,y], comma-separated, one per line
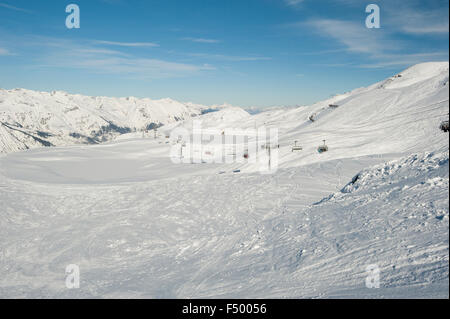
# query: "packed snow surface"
[139,225]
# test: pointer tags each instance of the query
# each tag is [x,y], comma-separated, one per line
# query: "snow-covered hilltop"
[401,114]
[30,119]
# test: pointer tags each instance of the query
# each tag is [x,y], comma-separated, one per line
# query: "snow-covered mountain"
[31,119]
[139,225]
[400,115]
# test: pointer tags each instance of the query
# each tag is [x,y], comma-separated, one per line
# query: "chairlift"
[296,147]
[322,148]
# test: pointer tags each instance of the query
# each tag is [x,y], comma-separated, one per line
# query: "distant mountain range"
[31,119]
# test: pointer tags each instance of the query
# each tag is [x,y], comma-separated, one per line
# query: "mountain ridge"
[30,119]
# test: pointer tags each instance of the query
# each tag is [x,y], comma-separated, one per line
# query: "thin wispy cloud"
[334,65]
[10,7]
[417,22]
[229,58]
[100,51]
[201,40]
[151,68]
[379,49]
[318,52]
[442,28]
[127,44]
[355,37]
[55,52]
[401,16]
[411,16]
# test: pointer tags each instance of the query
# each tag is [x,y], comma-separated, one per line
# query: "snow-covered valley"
[139,225]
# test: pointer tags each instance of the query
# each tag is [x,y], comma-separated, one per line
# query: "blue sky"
[243,52]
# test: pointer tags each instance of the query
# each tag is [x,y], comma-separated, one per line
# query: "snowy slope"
[398,115]
[31,119]
[139,225]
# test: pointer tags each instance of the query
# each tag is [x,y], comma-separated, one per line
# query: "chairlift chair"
[296,147]
[322,148]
